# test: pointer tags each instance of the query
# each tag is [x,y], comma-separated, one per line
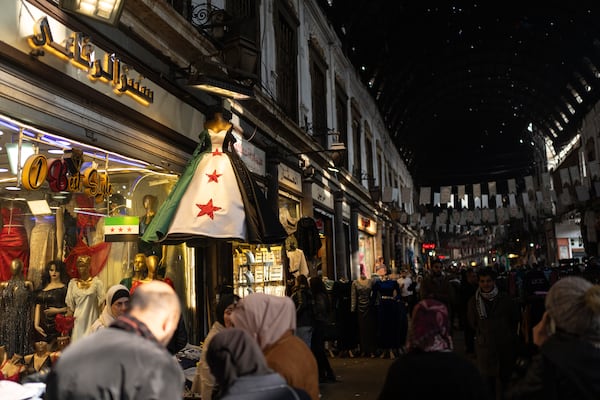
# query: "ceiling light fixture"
[222,87]
[107,11]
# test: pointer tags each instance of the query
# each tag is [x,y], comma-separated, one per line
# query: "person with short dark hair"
[127,360]
[494,317]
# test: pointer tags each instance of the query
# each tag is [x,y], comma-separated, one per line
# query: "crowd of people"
[528,334]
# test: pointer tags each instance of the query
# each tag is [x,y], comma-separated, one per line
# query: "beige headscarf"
[573,303]
[265,317]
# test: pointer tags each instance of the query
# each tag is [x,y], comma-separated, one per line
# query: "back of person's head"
[573,303]
[265,317]
[225,301]
[430,327]
[156,304]
[233,353]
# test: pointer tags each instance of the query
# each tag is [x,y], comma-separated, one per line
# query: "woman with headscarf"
[241,370]
[431,366]
[117,302]
[567,365]
[271,321]
[204,381]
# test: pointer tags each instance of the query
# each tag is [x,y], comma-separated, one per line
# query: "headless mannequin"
[13,368]
[151,264]
[39,360]
[217,124]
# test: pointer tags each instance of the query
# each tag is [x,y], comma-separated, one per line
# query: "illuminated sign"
[428,246]
[79,49]
[62,175]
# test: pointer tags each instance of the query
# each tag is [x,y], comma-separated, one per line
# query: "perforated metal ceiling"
[458,82]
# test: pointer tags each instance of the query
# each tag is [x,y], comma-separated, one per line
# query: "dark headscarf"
[233,353]
[225,301]
[430,327]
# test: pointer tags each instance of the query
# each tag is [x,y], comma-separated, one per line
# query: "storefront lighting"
[107,11]
[12,149]
[221,87]
[56,151]
[13,188]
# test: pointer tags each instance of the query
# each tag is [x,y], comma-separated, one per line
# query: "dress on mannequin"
[216,197]
[15,309]
[13,240]
[43,240]
[85,295]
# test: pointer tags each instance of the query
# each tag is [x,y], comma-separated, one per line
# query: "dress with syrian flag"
[216,197]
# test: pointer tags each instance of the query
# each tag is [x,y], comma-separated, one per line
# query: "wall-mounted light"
[107,11]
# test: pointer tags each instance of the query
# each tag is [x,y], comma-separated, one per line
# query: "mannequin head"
[41,347]
[149,202]
[55,271]
[139,263]
[16,267]
[83,266]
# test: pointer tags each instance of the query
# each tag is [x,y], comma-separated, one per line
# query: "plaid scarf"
[479,300]
[131,324]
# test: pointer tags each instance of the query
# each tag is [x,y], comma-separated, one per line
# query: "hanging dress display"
[216,197]
[43,240]
[16,325]
[13,241]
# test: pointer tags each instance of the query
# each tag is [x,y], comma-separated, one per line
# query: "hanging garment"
[308,238]
[216,197]
[13,241]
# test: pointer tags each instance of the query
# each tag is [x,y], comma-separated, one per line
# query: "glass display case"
[258,269]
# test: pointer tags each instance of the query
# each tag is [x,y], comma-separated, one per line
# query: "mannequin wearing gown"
[50,301]
[216,197]
[15,300]
[13,240]
[85,296]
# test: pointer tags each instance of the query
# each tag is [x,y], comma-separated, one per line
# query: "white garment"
[404,285]
[212,206]
[298,265]
[86,305]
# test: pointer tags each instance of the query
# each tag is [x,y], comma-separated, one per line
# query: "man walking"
[127,360]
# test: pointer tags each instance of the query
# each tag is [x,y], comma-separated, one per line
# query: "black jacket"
[565,368]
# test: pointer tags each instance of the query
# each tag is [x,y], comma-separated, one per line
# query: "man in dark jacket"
[127,360]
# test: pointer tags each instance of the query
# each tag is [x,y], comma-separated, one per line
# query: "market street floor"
[362,378]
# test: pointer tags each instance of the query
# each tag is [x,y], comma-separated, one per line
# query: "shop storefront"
[367,229]
[323,215]
[90,150]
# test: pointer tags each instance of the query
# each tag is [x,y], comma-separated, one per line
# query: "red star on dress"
[207,209]
[214,177]
[217,152]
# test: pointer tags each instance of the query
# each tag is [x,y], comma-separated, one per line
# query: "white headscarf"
[107,317]
[265,317]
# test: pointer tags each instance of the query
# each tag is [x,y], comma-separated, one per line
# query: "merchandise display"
[258,269]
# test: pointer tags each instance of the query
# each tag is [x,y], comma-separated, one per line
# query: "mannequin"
[16,310]
[150,203]
[298,264]
[85,296]
[217,124]
[41,360]
[139,271]
[12,368]
[152,266]
[50,301]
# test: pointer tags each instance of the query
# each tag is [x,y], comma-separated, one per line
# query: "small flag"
[121,229]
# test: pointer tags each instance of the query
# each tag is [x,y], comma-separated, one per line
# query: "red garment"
[13,378]
[98,252]
[13,241]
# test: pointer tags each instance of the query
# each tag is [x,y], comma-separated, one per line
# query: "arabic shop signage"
[65,174]
[81,52]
